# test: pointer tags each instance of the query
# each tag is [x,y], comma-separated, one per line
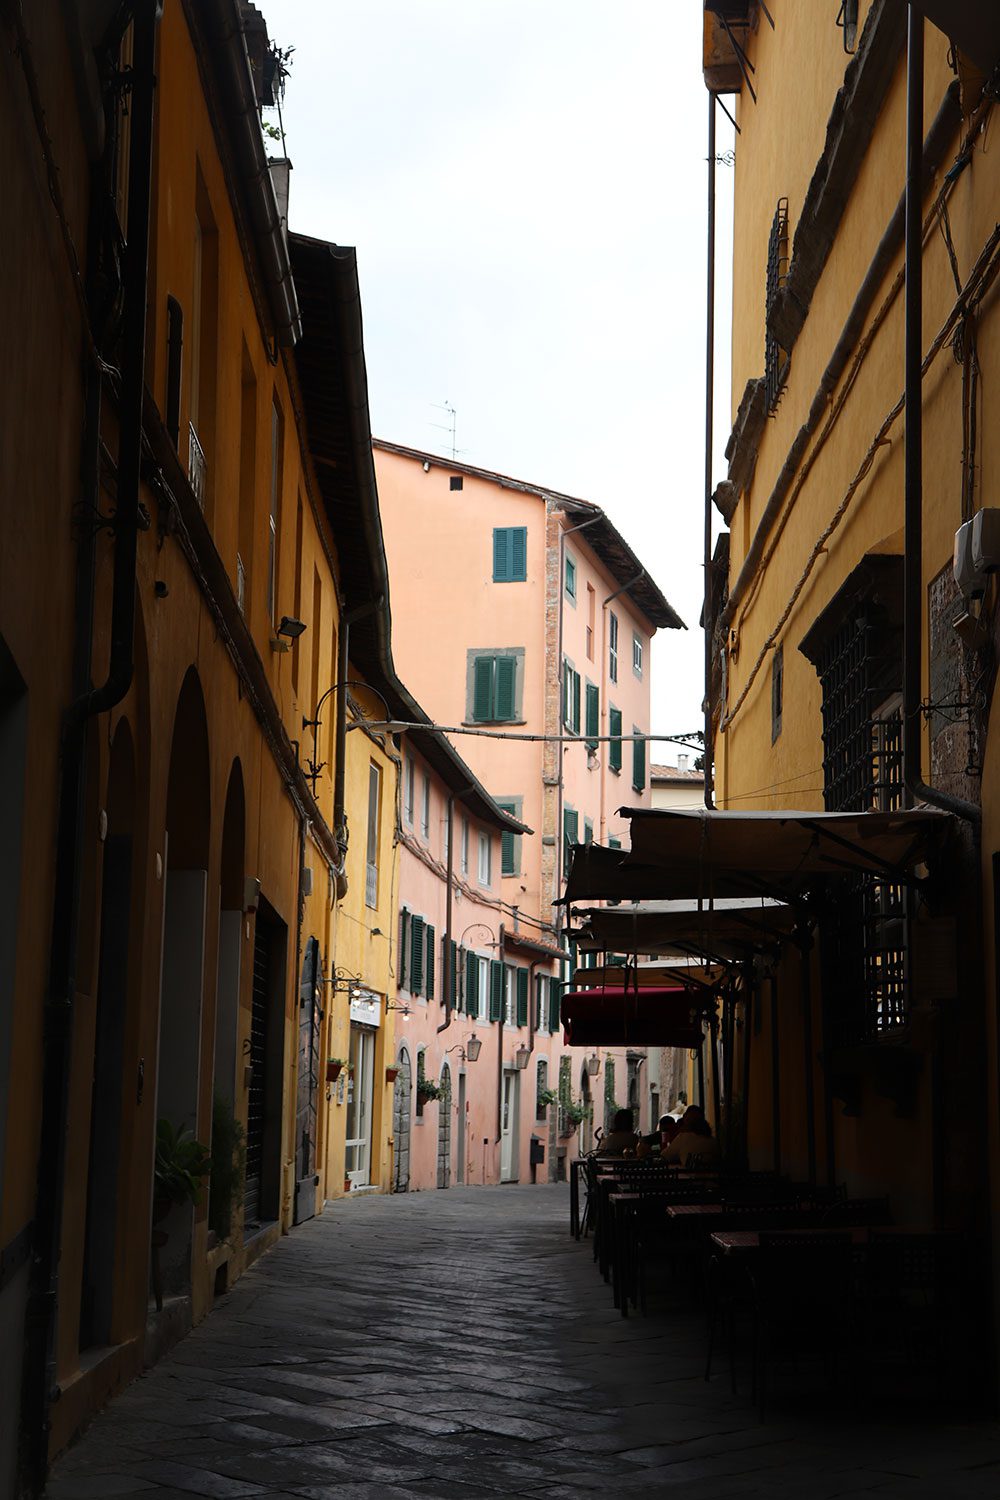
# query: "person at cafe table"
[694,1138]
[621,1140]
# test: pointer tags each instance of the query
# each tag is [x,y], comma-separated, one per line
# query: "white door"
[358,1155]
[508,1129]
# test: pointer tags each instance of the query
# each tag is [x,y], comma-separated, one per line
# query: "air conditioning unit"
[970,574]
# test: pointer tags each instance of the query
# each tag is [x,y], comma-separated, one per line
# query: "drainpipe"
[347,619]
[917,790]
[709,422]
[40,1367]
[500,955]
[448,996]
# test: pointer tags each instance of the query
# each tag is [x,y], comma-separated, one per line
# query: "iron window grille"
[777,270]
[197,466]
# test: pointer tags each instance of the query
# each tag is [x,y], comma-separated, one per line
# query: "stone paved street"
[461,1344]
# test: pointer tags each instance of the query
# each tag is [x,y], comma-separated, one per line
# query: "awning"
[675,971]
[697,852]
[620,1018]
[721,929]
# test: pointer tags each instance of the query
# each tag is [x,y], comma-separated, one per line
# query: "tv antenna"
[448,427]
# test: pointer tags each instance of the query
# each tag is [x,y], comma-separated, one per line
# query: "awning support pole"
[748,1013]
[701,1076]
[805,946]
[716,1094]
[775,1076]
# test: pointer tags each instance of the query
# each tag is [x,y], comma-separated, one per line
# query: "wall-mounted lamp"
[290,628]
[468,1050]
[404,1010]
[522,1057]
[593,1065]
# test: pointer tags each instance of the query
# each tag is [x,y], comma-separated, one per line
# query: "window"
[570,578]
[777,271]
[541,1087]
[571,698]
[593,715]
[494,686]
[588,831]
[615,747]
[425,808]
[521,980]
[273,510]
[638,760]
[421,1074]
[777,691]
[541,1002]
[614,843]
[510,554]
[555,1005]
[510,843]
[485,867]
[571,834]
[496,989]
[415,969]
[591,620]
[612,645]
[565,1090]
[477,983]
[610,1106]
[374,807]
[483,1001]
[509,996]
[636,655]
[455,482]
[409,793]
[465,846]
[403,953]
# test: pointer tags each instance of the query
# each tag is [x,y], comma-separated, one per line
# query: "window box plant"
[428,1089]
[572,1113]
[391,1074]
[333,1067]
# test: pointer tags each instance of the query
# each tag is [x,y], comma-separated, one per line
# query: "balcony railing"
[197,466]
[371,886]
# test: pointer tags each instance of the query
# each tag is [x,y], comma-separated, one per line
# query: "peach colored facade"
[550,607]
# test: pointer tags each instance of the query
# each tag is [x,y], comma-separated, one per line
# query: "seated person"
[668,1128]
[694,1138]
[621,1140]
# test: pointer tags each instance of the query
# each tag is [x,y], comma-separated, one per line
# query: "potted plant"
[182,1164]
[572,1113]
[391,1074]
[428,1089]
[547,1097]
[228,1168]
[333,1067]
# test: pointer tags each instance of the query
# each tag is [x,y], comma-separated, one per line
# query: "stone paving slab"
[460,1344]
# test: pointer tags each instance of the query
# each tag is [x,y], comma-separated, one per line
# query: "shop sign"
[365,1010]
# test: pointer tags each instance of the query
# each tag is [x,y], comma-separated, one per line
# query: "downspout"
[503,984]
[40,1367]
[347,619]
[917,790]
[560,586]
[448,996]
[709,625]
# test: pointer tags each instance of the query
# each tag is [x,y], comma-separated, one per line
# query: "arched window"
[541,1085]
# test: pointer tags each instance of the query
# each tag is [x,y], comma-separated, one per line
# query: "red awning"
[620,1018]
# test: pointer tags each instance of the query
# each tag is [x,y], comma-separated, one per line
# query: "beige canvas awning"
[717,930]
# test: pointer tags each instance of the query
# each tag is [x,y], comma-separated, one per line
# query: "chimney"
[682,762]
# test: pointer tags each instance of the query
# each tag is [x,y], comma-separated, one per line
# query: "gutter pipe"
[917,790]
[501,936]
[709,627]
[40,1360]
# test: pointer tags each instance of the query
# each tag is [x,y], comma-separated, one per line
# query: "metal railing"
[371,886]
[197,466]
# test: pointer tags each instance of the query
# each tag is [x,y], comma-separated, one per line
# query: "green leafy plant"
[548,1096]
[182,1164]
[228,1170]
[428,1089]
[574,1111]
[341,1062]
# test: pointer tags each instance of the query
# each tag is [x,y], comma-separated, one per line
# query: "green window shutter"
[588,831]
[614,843]
[453,972]
[639,764]
[593,723]
[615,728]
[538,1002]
[506,678]
[555,1002]
[404,937]
[482,688]
[571,830]
[501,554]
[496,989]
[430,962]
[471,984]
[522,997]
[518,553]
[508,861]
[576,703]
[416,955]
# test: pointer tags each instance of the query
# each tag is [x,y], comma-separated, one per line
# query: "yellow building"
[851,668]
[178,577]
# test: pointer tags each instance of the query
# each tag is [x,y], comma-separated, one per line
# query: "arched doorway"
[310,1014]
[401,1123]
[226,1134]
[105,1155]
[444,1130]
[587,1123]
[188,825]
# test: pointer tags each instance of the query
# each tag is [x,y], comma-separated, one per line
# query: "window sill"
[486,723]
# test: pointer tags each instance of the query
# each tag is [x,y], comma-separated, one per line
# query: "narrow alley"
[462,1344]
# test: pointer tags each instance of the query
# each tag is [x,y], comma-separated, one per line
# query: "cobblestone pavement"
[459,1343]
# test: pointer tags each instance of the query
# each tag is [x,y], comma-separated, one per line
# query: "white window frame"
[612,645]
[543,1005]
[636,654]
[409,791]
[509,996]
[425,809]
[465,846]
[483,997]
[484,861]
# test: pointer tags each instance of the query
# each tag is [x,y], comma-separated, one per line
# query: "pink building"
[523,612]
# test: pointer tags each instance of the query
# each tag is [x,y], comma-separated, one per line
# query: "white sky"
[525,181]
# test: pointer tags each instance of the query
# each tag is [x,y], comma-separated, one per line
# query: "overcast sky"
[524,181]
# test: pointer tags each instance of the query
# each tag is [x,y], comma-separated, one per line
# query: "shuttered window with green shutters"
[593,719]
[403,965]
[494,689]
[452,995]
[522,997]
[496,989]
[614,843]
[510,843]
[538,1002]
[571,699]
[555,1002]
[416,955]
[615,748]
[472,984]
[571,834]
[430,962]
[510,554]
[638,761]
[588,831]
